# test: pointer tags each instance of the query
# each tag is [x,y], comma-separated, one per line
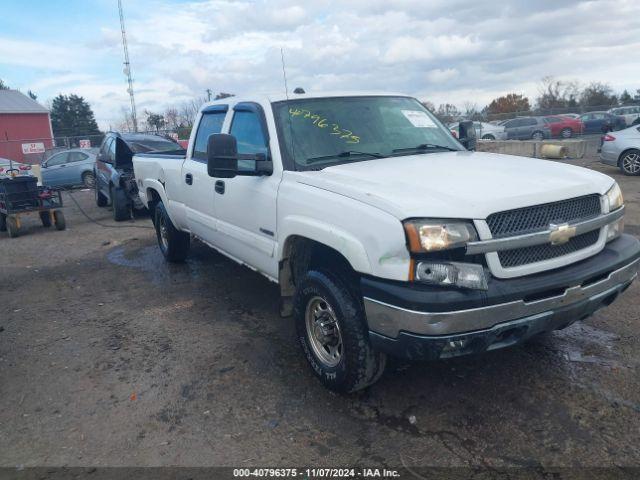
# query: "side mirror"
[222,155]
[467,135]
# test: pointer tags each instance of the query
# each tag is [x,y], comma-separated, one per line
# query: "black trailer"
[21,196]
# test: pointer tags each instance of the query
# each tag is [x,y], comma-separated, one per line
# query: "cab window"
[247,129]
[209,124]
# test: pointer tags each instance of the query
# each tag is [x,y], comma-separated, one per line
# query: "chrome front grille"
[530,219]
[538,218]
[540,253]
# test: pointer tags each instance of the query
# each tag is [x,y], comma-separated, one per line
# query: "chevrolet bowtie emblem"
[561,234]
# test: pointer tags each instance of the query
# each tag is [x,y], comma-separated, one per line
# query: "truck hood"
[464,184]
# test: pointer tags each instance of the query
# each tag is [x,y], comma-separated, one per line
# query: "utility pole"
[208,90]
[127,69]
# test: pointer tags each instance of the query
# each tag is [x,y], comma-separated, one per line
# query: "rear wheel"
[173,243]
[537,135]
[13,227]
[3,222]
[88,179]
[101,199]
[332,330]
[120,204]
[630,162]
[566,133]
[59,220]
[488,137]
[45,218]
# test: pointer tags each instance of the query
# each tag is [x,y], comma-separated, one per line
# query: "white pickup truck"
[385,234]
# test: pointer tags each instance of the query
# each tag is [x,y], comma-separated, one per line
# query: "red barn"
[25,128]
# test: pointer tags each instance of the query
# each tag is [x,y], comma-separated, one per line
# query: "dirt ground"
[110,357]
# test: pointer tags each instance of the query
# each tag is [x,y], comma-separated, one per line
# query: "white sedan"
[484,130]
[622,149]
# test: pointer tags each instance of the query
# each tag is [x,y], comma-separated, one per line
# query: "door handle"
[220,187]
[188,178]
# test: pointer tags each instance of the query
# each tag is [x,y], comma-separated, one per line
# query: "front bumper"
[418,321]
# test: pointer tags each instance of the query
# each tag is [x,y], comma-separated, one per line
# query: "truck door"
[198,185]
[246,205]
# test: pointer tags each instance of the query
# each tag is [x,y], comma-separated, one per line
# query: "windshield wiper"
[426,146]
[345,154]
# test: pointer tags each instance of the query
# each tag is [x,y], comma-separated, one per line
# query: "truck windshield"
[321,132]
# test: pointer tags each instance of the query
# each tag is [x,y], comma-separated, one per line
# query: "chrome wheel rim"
[538,136]
[566,133]
[323,332]
[164,232]
[631,163]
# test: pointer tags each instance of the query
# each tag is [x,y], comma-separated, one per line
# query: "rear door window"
[209,124]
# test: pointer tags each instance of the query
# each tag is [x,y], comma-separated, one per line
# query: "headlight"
[435,235]
[614,195]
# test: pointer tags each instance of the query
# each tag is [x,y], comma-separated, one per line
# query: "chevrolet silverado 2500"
[384,234]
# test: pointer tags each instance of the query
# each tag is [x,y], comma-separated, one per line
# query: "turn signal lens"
[608,138]
[452,274]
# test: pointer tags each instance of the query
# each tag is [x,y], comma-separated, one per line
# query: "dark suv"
[527,128]
[113,171]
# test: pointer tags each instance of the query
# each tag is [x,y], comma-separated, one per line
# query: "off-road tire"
[120,205]
[175,246]
[59,220]
[360,365]
[45,218]
[3,222]
[101,199]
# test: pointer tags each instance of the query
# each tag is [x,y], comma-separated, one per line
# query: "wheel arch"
[301,253]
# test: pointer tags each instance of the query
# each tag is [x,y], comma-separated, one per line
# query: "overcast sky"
[438,50]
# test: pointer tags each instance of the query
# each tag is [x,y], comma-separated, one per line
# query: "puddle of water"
[150,260]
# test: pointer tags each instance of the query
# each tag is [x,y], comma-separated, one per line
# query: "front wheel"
[173,243]
[13,226]
[3,222]
[45,218]
[120,205]
[332,330]
[59,220]
[630,162]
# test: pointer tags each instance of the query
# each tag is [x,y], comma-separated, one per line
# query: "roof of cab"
[279,97]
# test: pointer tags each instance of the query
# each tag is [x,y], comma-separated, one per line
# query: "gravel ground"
[110,357]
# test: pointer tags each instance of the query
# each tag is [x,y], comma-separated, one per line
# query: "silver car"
[484,130]
[622,149]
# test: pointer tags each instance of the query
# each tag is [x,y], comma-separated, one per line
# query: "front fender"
[342,241]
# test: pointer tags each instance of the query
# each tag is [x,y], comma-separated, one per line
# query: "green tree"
[509,103]
[3,86]
[71,115]
[222,95]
